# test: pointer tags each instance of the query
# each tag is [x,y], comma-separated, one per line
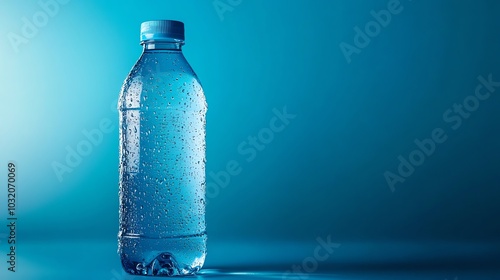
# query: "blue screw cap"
[161,30]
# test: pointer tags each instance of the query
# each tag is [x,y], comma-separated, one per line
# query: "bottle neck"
[162,46]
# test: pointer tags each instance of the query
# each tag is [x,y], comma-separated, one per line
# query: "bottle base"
[174,256]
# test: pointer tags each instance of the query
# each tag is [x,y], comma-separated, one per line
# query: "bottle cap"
[170,30]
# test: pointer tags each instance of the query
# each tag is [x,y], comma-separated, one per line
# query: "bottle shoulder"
[162,81]
[163,66]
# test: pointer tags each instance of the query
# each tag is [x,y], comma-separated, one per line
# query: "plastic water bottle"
[162,159]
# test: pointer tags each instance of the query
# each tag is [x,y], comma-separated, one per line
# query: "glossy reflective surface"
[98,260]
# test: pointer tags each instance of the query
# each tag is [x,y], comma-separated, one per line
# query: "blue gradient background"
[322,175]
